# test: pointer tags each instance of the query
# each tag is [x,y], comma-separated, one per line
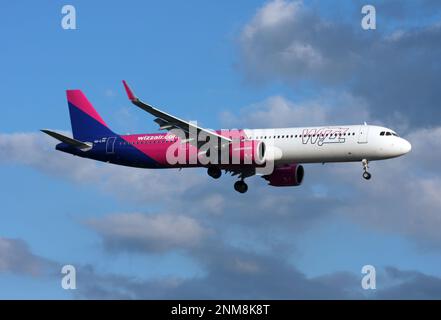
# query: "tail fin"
[87,124]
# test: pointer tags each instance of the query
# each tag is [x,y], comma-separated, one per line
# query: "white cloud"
[150,233]
[273,14]
[303,53]
[286,40]
[15,257]
[396,72]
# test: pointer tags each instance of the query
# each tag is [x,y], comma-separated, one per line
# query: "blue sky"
[195,59]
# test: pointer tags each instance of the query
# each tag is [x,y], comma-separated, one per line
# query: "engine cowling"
[247,152]
[286,176]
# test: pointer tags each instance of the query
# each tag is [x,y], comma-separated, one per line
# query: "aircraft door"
[363,134]
[110,145]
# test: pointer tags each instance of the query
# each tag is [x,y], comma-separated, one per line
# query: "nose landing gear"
[366,174]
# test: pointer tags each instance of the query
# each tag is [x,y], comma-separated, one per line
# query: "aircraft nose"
[405,146]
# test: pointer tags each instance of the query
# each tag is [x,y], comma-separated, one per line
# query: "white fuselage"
[330,144]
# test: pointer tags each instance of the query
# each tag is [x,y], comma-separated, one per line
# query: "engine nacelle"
[286,176]
[247,152]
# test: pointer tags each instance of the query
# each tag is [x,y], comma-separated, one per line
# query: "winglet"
[129,91]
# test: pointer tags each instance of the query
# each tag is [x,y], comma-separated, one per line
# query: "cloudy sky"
[134,233]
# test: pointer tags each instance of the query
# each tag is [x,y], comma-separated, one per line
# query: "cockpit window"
[394,134]
[382,133]
[388,133]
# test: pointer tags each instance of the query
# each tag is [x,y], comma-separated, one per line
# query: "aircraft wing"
[168,122]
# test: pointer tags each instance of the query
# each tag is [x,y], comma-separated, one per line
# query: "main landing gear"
[366,174]
[214,172]
[240,186]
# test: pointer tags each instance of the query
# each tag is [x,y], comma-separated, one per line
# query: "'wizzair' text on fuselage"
[324,135]
[167,137]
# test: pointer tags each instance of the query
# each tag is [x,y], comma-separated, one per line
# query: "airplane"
[247,150]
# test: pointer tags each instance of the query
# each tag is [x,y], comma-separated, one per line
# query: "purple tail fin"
[87,124]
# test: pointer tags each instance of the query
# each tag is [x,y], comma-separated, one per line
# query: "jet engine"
[247,152]
[286,176]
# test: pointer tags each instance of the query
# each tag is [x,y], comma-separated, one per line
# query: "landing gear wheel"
[214,172]
[366,174]
[240,186]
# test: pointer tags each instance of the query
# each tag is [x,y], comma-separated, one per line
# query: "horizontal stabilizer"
[84,146]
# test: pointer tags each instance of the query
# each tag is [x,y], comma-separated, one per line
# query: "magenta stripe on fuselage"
[152,145]
[155,145]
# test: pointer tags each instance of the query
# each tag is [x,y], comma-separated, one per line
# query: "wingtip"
[129,91]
